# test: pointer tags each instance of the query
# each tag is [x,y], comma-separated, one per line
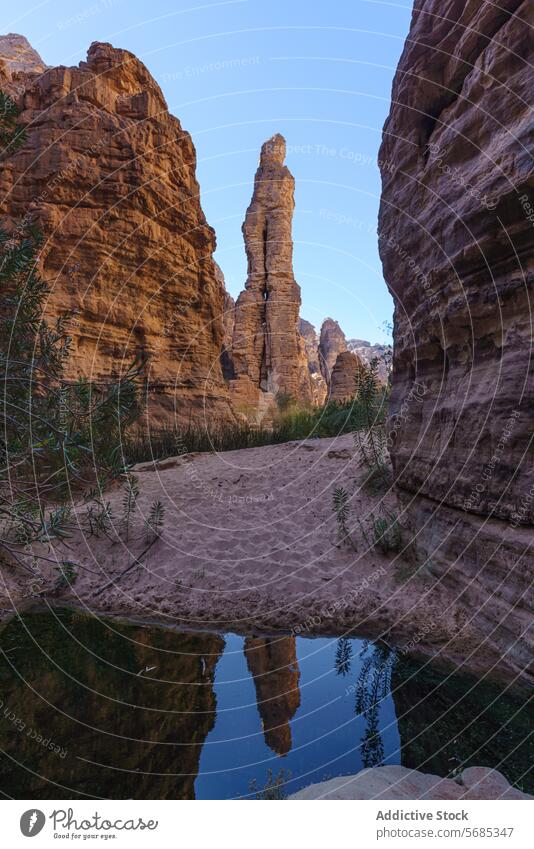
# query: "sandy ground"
[250,544]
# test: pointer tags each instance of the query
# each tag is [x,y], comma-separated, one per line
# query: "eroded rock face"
[331,343]
[272,662]
[456,235]
[311,346]
[268,352]
[344,377]
[19,58]
[367,352]
[108,175]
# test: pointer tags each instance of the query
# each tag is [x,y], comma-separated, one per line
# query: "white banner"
[242,825]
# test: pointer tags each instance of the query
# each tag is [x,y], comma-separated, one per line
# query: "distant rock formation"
[17,57]
[272,662]
[331,343]
[456,235]
[268,352]
[108,176]
[344,377]
[311,346]
[368,352]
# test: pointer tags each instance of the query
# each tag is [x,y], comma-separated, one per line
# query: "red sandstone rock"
[109,177]
[311,346]
[332,342]
[456,236]
[268,352]
[344,377]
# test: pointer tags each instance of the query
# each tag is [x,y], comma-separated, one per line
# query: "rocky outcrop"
[272,662]
[311,347]
[399,782]
[108,176]
[18,59]
[344,377]
[268,352]
[331,343]
[455,233]
[367,353]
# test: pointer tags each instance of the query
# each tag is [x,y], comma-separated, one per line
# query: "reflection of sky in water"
[325,731]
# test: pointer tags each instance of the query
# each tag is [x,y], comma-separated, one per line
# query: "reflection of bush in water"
[372,687]
[343,656]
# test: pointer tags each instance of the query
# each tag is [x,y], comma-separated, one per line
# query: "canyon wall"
[456,235]
[108,176]
[268,352]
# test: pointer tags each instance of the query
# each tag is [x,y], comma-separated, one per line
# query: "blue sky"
[236,72]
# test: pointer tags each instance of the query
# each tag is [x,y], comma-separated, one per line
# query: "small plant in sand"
[154,521]
[370,427]
[67,574]
[340,506]
[384,532]
[129,500]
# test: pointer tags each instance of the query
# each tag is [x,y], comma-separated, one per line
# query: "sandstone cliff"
[331,343]
[268,352]
[108,175]
[456,239]
[311,347]
[344,377]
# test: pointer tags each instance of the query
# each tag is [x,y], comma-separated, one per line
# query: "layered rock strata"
[268,352]
[456,236]
[332,342]
[108,176]
[311,347]
[344,377]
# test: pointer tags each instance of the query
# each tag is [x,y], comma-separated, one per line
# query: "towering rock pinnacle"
[268,352]
[456,236]
[108,177]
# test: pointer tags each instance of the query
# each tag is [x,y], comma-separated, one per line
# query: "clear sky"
[234,73]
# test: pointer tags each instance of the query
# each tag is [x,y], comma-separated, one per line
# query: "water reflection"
[108,709]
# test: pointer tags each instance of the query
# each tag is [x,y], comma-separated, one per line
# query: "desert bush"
[57,436]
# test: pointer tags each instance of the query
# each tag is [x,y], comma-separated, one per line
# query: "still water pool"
[91,707]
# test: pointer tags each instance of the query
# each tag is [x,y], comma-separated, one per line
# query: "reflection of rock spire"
[272,662]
